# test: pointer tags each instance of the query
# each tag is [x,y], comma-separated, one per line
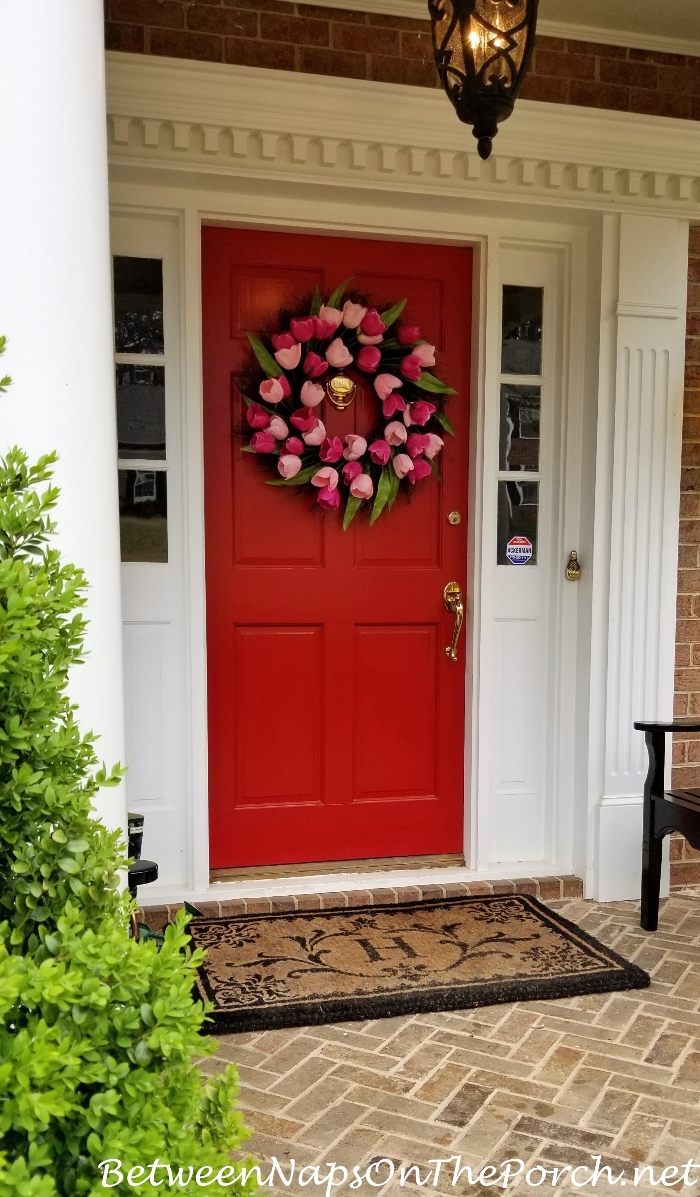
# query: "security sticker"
[519,550]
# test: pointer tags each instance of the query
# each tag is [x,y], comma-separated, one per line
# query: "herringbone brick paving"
[615,1075]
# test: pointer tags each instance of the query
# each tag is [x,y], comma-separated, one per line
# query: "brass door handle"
[452,598]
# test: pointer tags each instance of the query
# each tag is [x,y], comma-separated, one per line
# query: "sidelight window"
[519,428]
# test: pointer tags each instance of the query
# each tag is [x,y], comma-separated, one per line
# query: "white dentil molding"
[212,119]
[418,10]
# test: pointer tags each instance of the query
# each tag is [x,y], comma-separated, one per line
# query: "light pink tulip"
[365,340]
[316,434]
[274,390]
[331,315]
[362,487]
[395,433]
[384,384]
[338,354]
[289,465]
[353,314]
[355,447]
[426,353]
[434,446]
[402,465]
[312,394]
[278,428]
[326,476]
[288,359]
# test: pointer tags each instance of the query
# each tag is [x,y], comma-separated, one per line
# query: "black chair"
[664,811]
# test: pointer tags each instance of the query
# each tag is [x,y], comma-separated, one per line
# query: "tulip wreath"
[287,381]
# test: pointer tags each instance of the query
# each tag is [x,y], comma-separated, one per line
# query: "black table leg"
[652,845]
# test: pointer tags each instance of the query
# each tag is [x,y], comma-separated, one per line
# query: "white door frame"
[294,161]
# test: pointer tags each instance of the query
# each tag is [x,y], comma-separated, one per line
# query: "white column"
[636,529]
[55,309]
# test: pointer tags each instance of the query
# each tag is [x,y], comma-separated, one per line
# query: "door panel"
[336,721]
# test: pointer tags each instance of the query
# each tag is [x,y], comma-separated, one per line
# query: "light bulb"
[474,38]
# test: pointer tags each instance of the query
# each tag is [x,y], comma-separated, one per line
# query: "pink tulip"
[417,443]
[353,314]
[352,470]
[372,325]
[331,316]
[257,417]
[274,390]
[355,446]
[434,446]
[294,446]
[338,354]
[425,353]
[316,435]
[314,365]
[288,359]
[331,449]
[365,340]
[289,465]
[384,384]
[418,412]
[283,340]
[278,428]
[402,465]
[303,330]
[328,499]
[408,334]
[323,328]
[303,419]
[368,359]
[410,367]
[380,452]
[312,394]
[421,469]
[395,433]
[362,487]
[263,442]
[393,404]
[326,476]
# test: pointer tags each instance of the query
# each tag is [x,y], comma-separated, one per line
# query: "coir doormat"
[287,969]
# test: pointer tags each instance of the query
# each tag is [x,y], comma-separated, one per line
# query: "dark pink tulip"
[314,366]
[393,404]
[331,449]
[417,443]
[283,341]
[371,324]
[263,442]
[408,334]
[294,446]
[329,499]
[304,419]
[303,330]
[350,471]
[421,469]
[369,358]
[257,417]
[380,452]
[419,412]
[411,367]
[323,328]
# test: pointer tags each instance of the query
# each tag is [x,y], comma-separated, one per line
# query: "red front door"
[336,720]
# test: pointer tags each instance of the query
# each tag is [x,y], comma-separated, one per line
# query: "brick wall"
[685,864]
[304,37]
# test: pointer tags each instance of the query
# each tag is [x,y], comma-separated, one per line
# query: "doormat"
[294,969]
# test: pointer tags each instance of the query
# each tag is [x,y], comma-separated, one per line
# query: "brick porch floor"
[612,1075]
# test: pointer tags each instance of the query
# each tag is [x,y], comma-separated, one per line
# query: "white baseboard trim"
[618,842]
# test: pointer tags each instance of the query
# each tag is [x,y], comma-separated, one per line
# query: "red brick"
[336,14]
[417,45]
[404,24]
[127,38]
[679,79]
[235,23]
[659,103]
[598,95]
[298,30]
[408,893]
[682,656]
[600,49]
[308,902]
[688,631]
[564,66]
[201,46]
[257,905]
[689,581]
[365,40]
[403,70]
[548,91]
[331,62]
[691,453]
[549,887]
[678,60]
[690,510]
[694,240]
[550,43]
[573,887]
[692,326]
[679,756]
[252,52]
[627,74]
[169,14]
[693,289]
[685,874]
[285,7]
[688,776]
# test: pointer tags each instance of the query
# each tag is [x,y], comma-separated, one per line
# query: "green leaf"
[428,382]
[434,468]
[59,835]
[443,420]
[316,303]
[247,449]
[395,484]
[351,509]
[337,295]
[393,314]
[265,359]
[78,846]
[383,492]
[298,480]
[68,864]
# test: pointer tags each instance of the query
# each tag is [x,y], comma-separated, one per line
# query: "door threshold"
[383,864]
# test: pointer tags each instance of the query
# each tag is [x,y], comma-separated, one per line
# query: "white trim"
[653,311]
[600,34]
[205,121]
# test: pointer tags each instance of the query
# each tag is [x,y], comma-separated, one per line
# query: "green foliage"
[98,1032]
[4,382]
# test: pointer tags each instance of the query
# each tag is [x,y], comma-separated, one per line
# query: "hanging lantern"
[482,52]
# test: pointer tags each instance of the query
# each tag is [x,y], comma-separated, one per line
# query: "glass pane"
[519,447]
[518,504]
[521,351]
[141,411]
[143,515]
[138,305]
